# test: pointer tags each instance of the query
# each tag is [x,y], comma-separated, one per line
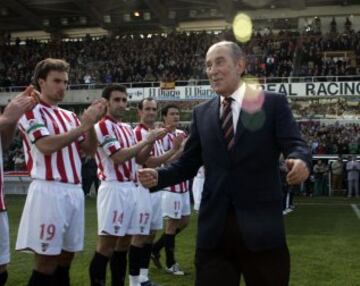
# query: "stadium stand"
[290,47]
[179,57]
[145,59]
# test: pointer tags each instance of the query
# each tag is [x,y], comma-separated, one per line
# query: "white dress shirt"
[236,104]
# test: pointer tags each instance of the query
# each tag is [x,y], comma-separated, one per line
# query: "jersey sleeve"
[106,138]
[33,124]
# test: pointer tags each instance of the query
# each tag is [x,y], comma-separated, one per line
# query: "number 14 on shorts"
[118,217]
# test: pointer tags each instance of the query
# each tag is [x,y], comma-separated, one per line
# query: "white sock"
[144,275]
[134,280]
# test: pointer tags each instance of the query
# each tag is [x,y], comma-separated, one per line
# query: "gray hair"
[236,52]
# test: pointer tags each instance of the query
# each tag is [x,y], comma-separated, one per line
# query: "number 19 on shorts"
[47,231]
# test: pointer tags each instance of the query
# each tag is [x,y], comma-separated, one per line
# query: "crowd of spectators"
[180,56]
[331,138]
[313,61]
[270,56]
[175,56]
[13,158]
[339,108]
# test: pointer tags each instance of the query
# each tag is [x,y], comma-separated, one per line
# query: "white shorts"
[141,216]
[197,189]
[175,205]
[4,239]
[52,219]
[115,207]
[156,204]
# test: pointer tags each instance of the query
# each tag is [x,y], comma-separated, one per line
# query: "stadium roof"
[120,15]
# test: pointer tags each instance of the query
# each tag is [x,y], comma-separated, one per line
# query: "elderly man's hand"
[298,171]
[148,177]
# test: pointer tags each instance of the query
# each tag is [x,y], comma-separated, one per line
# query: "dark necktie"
[227,124]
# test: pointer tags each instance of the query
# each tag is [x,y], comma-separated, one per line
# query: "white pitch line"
[323,204]
[356,210]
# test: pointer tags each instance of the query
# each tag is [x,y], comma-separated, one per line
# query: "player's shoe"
[148,283]
[175,270]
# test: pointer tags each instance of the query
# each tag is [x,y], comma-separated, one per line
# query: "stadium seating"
[179,56]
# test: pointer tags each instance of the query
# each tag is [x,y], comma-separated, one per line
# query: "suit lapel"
[215,117]
[240,128]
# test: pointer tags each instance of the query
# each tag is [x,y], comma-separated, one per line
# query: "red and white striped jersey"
[44,120]
[141,132]
[167,143]
[2,195]
[112,136]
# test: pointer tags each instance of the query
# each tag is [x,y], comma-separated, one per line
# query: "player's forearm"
[126,154]
[177,172]
[5,123]
[153,162]
[182,169]
[175,156]
[53,143]
[90,143]
[143,155]
[7,134]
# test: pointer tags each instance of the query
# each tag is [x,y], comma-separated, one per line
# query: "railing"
[191,82]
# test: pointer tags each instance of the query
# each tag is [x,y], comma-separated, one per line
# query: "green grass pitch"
[323,236]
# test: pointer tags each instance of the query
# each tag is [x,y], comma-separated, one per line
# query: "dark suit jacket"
[247,178]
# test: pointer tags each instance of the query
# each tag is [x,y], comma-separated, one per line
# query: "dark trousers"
[87,183]
[231,259]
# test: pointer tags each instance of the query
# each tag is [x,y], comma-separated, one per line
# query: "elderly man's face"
[223,70]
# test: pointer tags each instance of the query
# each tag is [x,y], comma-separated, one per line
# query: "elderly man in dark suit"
[238,137]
